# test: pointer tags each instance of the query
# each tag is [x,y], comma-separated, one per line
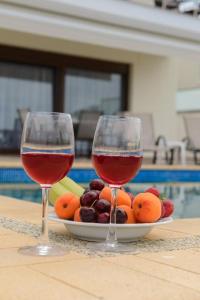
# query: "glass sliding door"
[92,90]
[87,95]
[22,87]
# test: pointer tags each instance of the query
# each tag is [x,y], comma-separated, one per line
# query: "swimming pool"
[156,175]
[180,184]
[186,196]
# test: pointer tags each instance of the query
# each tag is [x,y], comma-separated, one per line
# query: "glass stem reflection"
[111,238]
[44,238]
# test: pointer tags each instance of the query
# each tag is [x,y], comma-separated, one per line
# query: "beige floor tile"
[191,226]
[4,231]
[11,257]
[188,260]
[8,203]
[158,270]
[14,240]
[162,233]
[22,283]
[111,281]
[21,210]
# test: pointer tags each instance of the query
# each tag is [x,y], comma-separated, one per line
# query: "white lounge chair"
[150,142]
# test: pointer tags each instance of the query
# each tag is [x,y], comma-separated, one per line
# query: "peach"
[123,198]
[147,208]
[130,214]
[66,205]
[77,217]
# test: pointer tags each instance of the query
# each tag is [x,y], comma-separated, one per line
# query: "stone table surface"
[149,275]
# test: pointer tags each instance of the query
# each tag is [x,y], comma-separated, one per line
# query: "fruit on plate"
[88,199]
[93,204]
[105,193]
[88,214]
[130,218]
[66,205]
[132,197]
[168,206]
[86,190]
[147,208]
[123,197]
[64,186]
[96,184]
[56,191]
[154,191]
[121,215]
[77,217]
[103,217]
[162,210]
[102,206]
[72,186]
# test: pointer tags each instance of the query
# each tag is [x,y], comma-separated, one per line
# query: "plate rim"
[53,217]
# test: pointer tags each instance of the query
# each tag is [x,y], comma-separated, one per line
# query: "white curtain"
[89,90]
[23,86]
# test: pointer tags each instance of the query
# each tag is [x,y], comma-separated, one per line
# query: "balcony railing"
[191,7]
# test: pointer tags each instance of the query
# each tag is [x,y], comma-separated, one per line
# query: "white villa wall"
[188,79]
[153,79]
[154,91]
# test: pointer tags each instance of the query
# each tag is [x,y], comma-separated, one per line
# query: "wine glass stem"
[44,238]
[111,238]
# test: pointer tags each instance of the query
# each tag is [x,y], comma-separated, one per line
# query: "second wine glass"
[117,157]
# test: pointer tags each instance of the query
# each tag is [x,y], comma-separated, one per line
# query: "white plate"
[97,232]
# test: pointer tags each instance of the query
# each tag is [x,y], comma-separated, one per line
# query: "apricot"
[130,214]
[105,193]
[77,217]
[123,198]
[66,205]
[146,208]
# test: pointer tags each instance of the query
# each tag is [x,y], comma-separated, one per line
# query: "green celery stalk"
[72,186]
[56,191]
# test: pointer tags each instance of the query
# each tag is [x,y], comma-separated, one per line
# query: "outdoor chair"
[183,6]
[169,4]
[85,131]
[22,112]
[192,139]
[150,142]
[10,138]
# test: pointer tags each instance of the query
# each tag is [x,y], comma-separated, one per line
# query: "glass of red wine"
[117,157]
[47,154]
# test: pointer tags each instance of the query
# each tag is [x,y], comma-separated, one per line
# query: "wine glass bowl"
[47,154]
[117,157]
[115,168]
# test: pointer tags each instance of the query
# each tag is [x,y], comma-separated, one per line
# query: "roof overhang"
[109,23]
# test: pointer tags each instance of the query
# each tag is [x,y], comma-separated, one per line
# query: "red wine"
[116,169]
[47,168]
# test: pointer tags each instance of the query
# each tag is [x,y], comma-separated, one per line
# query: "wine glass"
[117,156]
[47,154]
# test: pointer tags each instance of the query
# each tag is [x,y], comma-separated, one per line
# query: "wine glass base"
[114,247]
[43,250]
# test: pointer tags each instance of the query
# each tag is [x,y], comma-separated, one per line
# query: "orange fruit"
[147,208]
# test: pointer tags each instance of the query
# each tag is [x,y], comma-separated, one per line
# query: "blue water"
[186,197]
[18,175]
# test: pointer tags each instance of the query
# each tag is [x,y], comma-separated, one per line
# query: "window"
[91,90]
[21,87]
[44,81]
[188,100]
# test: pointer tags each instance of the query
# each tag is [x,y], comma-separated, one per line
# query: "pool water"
[186,196]
[31,193]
